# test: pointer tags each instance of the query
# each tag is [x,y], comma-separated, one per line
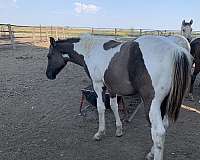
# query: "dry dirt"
[38,117]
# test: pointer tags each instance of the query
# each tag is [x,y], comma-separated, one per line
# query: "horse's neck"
[98,62]
[88,45]
[79,60]
[96,58]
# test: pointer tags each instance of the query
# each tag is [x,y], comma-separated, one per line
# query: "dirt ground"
[38,117]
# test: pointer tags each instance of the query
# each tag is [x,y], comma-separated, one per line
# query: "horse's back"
[181,41]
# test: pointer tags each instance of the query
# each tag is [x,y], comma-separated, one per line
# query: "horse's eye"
[183,30]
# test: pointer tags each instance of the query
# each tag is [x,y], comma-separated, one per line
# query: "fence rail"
[14,34]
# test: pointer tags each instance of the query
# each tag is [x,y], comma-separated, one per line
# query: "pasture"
[38,117]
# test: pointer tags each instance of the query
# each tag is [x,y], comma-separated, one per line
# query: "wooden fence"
[13,34]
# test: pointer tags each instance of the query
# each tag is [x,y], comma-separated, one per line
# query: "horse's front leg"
[114,107]
[101,111]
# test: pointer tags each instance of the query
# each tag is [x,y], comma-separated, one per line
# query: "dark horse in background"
[155,67]
[186,31]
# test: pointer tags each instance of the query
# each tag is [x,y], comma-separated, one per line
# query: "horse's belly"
[119,84]
[123,88]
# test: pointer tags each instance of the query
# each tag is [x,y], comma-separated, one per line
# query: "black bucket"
[91,97]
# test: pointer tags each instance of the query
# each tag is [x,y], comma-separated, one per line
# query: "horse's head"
[60,52]
[186,29]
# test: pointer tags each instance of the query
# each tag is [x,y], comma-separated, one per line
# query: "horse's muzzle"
[50,76]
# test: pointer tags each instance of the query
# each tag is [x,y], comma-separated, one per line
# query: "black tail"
[180,83]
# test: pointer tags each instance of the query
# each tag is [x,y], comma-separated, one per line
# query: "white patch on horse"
[65,56]
[156,63]
[96,58]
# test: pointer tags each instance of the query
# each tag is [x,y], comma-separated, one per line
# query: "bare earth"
[38,117]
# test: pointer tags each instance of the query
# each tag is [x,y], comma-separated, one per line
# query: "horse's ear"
[183,22]
[52,41]
[191,22]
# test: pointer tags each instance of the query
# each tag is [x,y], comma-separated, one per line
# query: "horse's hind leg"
[157,130]
[114,107]
[147,97]
[150,155]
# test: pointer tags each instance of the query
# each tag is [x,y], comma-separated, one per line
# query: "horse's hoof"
[119,131]
[190,96]
[98,136]
[149,156]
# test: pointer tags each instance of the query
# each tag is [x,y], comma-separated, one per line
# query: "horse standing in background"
[186,31]
[153,66]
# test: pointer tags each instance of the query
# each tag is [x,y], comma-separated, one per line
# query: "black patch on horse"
[69,40]
[110,44]
[163,107]
[139,77]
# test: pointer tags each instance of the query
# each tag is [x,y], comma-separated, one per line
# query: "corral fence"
[14,34]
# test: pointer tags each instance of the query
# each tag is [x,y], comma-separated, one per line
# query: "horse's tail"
[181,75]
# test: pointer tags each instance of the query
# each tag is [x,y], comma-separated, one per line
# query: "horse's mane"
[89,42]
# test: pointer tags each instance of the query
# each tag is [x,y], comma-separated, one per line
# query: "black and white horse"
[155,67]
[186,31]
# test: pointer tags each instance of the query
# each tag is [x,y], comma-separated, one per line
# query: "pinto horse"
[155,67]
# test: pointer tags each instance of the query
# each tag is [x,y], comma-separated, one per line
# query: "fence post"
[63,29]
[11,34]
[140,32]
[56,33]
[47,34]
[92,30]
[40,33]
[132,32]
[33,35]
[115,32]
[51,31]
